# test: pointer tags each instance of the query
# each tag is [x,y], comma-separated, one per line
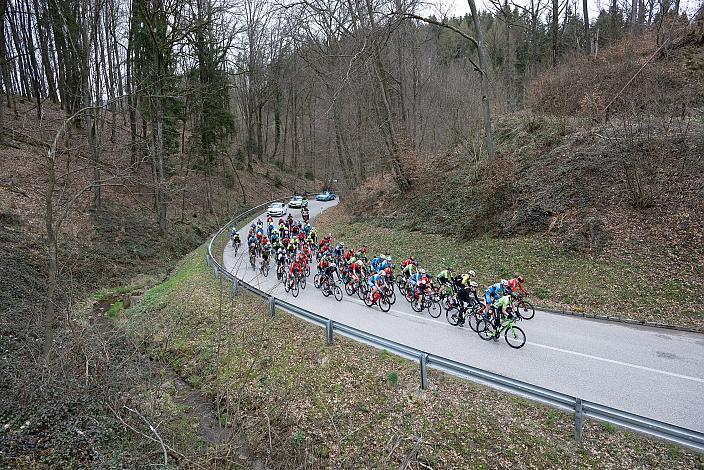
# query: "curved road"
[649,371]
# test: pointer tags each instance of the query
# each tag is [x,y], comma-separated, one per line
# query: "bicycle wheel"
[525,310]
[326,289]
[337,292]
[287,285]
[384,304]
[515,337]
[408,295]
[485,330]
[307,271]
[362,291]
[349,288]
[417,305]
[295,289]
[434,309]
[265,269]
[368,300]
[453,317]
[316,281]
[390,296]
[474,319]
[302,281]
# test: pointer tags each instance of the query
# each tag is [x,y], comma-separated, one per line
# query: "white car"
[297,202]
[277,209]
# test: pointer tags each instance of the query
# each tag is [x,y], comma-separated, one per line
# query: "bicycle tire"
[417,305]
[368,300]
[362,291]
[518,336]
[302,282]
[485,330]
[452,317]
[307,271]
[408,295]
[391,296]
[349,288]
[287,286]
[295,290]
[527,312]
[337,292]
[316,281]
[384,304]
[326,290]
[474,319]
[435,309]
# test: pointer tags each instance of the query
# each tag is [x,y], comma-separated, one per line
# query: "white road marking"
[620,363]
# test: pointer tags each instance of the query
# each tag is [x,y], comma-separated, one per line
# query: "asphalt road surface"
[653,372]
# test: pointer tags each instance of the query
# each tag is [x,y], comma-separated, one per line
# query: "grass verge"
[296,402]
[620,286]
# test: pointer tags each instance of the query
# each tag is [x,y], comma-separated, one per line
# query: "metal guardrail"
[582,409]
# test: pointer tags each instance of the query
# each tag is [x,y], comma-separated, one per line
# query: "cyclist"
[266,251]
[444,276]
[236,242]
[281,255]
[516,284]
[375,282]
[293,270]
[266,246]
[466,297]
[376,262]
[313,235]
[253,252]
[502,307]
[495,291]
[406,262]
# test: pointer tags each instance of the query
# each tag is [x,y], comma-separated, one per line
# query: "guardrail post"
[422,360]
[207,260]
[578,420]
[216,272]
[328,332]
[234,286]
[272,306]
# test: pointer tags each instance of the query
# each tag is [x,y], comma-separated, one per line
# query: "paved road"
[653,372]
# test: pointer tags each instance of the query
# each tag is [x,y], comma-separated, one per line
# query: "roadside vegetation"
[289,400]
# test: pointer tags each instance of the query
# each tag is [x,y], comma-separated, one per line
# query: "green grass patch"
[115,309]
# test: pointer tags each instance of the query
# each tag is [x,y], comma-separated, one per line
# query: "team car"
[297,202]
[326,196]
[276,209]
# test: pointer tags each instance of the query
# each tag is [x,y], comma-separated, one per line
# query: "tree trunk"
[486,101]
[554,30]
[587,39]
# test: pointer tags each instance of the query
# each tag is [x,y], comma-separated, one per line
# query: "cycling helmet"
[422,271]
[413,258]
[472,274]
[504,282]
[473,284]
[521,278]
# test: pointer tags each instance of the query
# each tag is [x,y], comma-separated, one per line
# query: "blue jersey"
[374,279]
[494,291]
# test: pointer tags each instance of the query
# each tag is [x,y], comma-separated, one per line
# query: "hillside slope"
[613,205]
[93,362]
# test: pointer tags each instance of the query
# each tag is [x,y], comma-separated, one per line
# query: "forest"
[131,130]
